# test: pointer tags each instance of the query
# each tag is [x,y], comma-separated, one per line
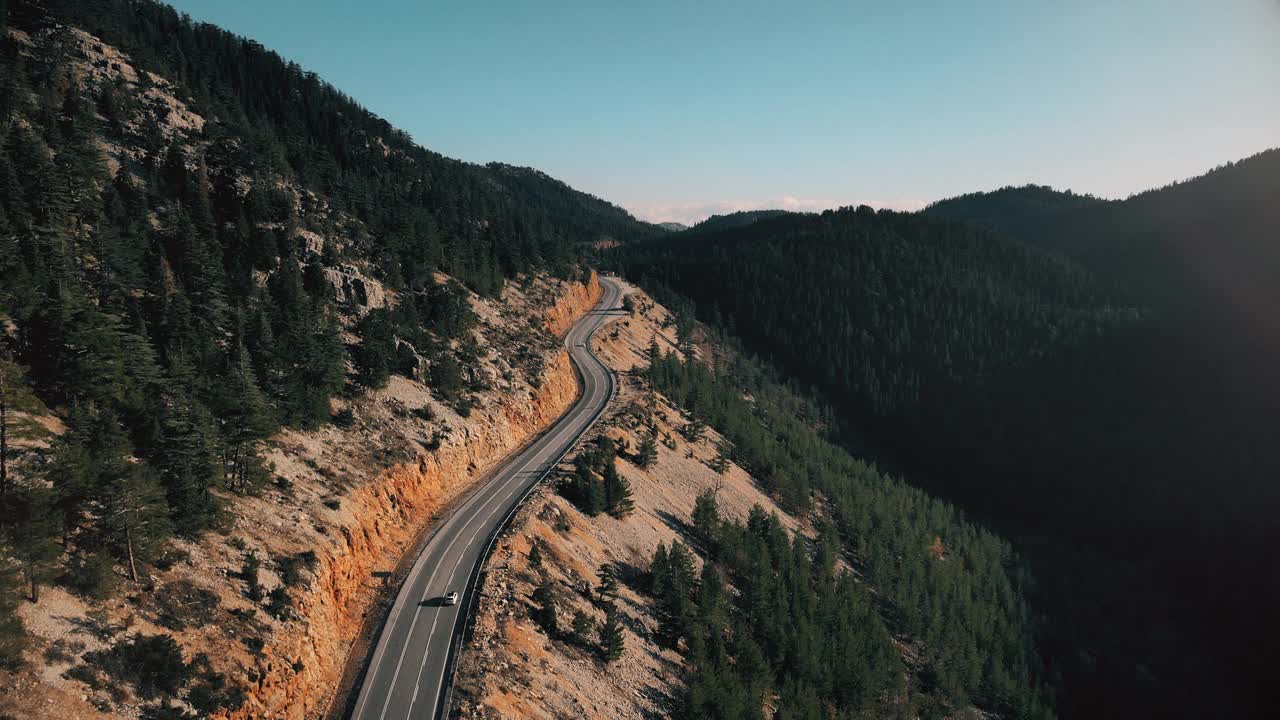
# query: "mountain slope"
[1200,247]
[737,219]
[827,589]
[897,307]
[251,338]
[1010,208]
[1007,379]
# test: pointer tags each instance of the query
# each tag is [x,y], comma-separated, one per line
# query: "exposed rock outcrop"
[578,299]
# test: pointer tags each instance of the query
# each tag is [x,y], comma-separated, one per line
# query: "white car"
[451,598]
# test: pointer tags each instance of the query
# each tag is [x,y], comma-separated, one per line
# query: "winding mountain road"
[409,671]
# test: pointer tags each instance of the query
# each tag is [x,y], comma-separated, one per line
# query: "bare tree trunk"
[133,567]
[35,586]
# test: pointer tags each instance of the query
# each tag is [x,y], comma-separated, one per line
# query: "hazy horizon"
[678,113]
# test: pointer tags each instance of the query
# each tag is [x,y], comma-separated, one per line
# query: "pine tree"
[375,355]
[535,555]
[136,517]
[32,527]
[612,643]
[245,419]
[583,488]
[249,573]
[694,429]
[723,455]
[583,628]
[647,451]
[706,518]
[187,460]
[608,590]
[71,474]
[544,612]
[617,492]
[13,637]
[15,396]
[654,352]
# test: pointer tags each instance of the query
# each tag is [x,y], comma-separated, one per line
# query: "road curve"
[406,677]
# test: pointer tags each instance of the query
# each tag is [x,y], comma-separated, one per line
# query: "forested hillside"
[952,592]
[1203,247]
[197,240]
[827,588]
[881,311]
[1010,208]
[736,219]
[1166,431]
[1127,450]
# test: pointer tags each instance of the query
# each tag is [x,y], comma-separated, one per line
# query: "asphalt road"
[406,676]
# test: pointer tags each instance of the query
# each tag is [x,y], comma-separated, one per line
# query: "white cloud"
[690,213]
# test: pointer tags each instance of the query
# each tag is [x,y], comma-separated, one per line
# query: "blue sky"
[676,110]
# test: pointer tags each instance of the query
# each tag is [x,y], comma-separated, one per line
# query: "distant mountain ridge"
[1007,208]
[1205,245]
[736,219]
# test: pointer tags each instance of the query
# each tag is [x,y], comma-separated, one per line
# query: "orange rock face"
[576,301]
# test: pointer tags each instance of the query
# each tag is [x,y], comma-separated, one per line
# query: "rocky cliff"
[576,300]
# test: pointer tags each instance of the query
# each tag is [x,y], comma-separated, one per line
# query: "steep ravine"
[386,516]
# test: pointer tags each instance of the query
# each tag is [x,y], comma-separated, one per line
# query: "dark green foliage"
[706,518]
[736,219]
[1010,208]
[608,590]
[279,603]
[583,628]
[646,452]
[612,643]
[91,574]
[616,492]
[136,518]
[724,453]
[245,419]
[249,573]
[610,493]
[344,418]
[376,355]
[814,638]
[885,525]
[12,638]
[583,489]
[535,555]
[910,307]
[446,377]
[693,430]
[1158,435]
[173,312]
[153,664]
[290,567]
[30,522]
[544,609]
[672,583]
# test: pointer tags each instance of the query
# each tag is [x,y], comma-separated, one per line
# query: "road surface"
[406,676]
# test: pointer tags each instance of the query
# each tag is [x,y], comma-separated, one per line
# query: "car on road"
[451,598]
